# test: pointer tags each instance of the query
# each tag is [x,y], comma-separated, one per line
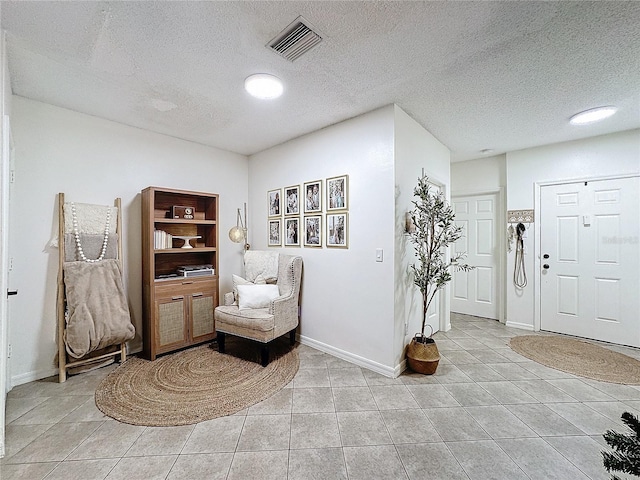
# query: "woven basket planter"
[423,355]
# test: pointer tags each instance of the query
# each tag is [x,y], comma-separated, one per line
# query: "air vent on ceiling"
[295,40]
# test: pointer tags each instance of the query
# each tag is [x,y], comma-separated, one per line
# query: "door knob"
[545,266]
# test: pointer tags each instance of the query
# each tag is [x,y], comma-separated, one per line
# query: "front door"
[590,260]
[476,292]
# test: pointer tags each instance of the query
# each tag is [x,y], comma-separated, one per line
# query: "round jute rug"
[194,385]
[579,357]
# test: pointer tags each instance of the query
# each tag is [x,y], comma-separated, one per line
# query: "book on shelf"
[162,240]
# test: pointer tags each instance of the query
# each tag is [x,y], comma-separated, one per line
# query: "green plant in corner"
[433,229]
[626,457]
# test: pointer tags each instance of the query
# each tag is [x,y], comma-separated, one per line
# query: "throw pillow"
[238,280]
[256,296]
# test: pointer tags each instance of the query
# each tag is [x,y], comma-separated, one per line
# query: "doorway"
[589,259]
[477,292]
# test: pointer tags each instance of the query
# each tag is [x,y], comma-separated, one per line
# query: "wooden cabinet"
[178,306]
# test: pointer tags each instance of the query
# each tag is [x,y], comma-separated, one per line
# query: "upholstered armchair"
[265,323]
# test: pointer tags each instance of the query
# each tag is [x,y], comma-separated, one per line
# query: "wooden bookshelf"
[178,311]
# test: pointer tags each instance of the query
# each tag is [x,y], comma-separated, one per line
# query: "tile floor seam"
[568,459]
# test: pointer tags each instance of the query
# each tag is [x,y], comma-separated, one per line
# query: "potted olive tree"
[432,229]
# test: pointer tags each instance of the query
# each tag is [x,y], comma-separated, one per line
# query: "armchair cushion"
[256,296]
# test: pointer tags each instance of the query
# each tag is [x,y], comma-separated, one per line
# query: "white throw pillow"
[238,280]
[256,296]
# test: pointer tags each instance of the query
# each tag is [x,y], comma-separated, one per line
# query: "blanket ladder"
[63,363]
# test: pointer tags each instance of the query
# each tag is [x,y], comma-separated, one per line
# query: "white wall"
[481,175]
[606,155]
[415,149]
[93,160]
[347,297]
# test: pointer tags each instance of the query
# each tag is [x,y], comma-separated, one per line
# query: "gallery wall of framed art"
[313,214]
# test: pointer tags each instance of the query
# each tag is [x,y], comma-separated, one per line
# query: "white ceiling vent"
[295,40]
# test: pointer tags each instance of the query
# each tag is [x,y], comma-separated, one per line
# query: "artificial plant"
[626,457]
[432,229]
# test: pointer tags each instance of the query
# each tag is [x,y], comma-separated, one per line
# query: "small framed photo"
[275,203]
[312,192]
[337,193]
[292,200]
[337,230]
[275,233]
[313,231]
[292,232]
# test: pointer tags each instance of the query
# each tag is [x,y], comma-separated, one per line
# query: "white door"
[590,260]
[5,174]
[476,292]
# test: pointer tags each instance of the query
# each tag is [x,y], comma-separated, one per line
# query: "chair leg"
[220,339]
[292,337]
[264,354]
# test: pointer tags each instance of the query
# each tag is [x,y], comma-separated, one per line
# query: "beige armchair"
[264,324]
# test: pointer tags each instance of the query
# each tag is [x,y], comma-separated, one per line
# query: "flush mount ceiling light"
[263,86]
[592,115]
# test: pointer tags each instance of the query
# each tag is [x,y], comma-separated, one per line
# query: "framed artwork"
[275,233]
[337,230]
[337,193]
[312,192]
[275,203]
[313,231]
[292,232]
[292,200]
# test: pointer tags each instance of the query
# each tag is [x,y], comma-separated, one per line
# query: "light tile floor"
[487,413]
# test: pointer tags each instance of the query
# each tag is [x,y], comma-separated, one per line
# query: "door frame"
[501,244]
[537,284]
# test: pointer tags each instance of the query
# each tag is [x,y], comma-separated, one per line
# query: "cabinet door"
[171,326]
[202,306]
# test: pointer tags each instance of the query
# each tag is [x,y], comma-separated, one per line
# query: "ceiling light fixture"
[592,115]
[263,86]
[486,151]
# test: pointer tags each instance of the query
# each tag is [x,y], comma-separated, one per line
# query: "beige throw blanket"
[98,315]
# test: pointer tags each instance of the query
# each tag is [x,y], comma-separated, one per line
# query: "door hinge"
[9,351]
[12,176]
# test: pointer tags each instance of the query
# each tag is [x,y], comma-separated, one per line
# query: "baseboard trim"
[40,374]
[32,376]
[522,326]
[351,357]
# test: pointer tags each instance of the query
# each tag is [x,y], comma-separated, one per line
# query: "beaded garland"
[76,234]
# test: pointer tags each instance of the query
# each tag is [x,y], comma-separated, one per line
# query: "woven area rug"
[195,385]
[579,357]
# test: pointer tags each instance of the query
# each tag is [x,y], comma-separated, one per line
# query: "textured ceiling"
[477,75]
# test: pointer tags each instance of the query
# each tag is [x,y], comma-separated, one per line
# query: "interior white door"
[476,292]
[590,260]
[5,174]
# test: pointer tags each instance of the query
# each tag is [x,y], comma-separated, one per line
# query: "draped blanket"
[98,315]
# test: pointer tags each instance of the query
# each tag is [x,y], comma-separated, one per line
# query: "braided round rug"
[195,385]
[579,357]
